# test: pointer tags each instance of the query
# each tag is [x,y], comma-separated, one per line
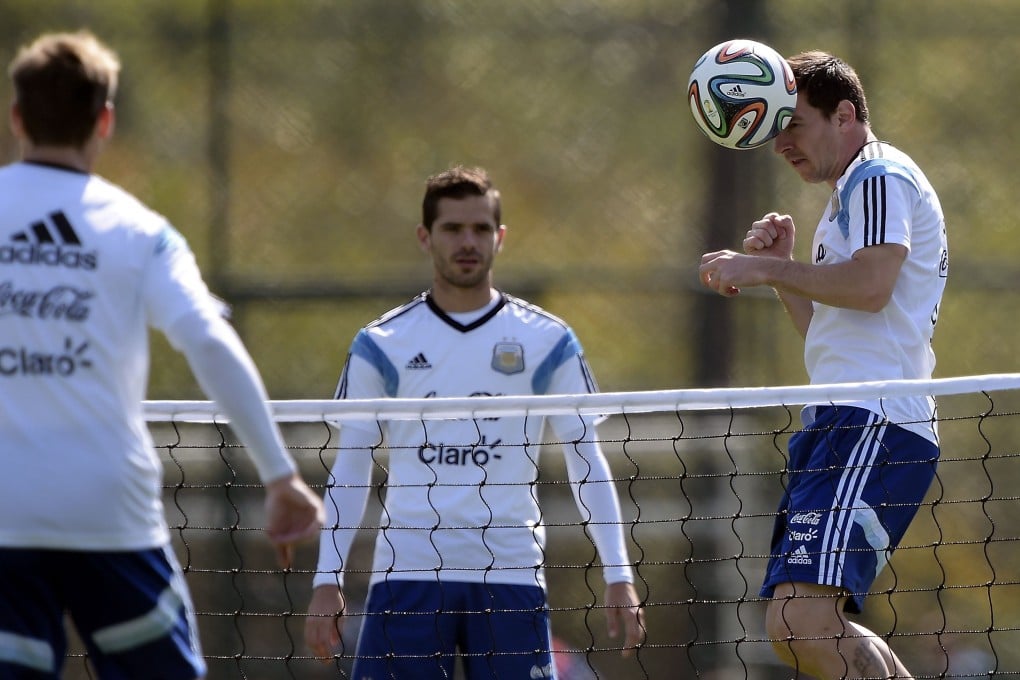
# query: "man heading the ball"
[866,305]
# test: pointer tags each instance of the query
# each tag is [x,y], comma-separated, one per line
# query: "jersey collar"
[55,166]
[464,328]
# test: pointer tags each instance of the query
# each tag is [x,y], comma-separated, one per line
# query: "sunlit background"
[289,142]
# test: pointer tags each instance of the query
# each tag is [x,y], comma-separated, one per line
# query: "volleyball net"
[699,474]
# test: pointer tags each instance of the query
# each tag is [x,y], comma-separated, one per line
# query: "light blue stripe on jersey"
[169,240]
[567,348]
[364,347]
[866,170]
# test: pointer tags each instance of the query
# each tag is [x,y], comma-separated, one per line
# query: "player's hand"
[715,272]
[772,235]
[624,612]
[293,514]
[322,625]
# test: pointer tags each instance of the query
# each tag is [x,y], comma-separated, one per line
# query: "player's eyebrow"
[453,223]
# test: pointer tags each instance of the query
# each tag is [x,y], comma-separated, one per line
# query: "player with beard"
[458,566]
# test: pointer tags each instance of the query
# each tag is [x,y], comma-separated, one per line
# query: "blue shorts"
[131,609]
[417,629]
[854,483]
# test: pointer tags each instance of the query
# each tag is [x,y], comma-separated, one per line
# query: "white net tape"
[313,410]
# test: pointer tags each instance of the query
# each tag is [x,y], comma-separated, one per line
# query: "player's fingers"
[768,232]
[777,222]
[293,525]
[705,275]
[300,529]
[711,257]
[620,616]
[709,274]
[313,640]
[753,243]
[635,637]
[321,636]
[783,224]
[293,512]
[713,279]
[632,620]
[284,554]
[612,621]
[329,636]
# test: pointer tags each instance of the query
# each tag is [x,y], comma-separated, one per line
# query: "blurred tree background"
[289,142]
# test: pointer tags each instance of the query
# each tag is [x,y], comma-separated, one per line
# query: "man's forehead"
[466,210]
[804,110]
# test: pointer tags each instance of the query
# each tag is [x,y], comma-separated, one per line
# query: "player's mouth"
[466,263]
[796,161]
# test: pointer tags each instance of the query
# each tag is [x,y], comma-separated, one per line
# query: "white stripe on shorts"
[27,651]
[848,500]
[150,626]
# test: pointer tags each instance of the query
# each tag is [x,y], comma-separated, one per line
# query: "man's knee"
[805,619]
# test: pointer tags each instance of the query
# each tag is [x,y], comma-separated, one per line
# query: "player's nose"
[781,142]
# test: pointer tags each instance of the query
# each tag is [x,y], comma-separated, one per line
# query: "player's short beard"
[451,273]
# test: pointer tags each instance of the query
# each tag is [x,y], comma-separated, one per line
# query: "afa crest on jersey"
[508,357]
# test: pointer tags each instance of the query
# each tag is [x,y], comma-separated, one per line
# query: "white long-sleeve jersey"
[85,271]
[460,501]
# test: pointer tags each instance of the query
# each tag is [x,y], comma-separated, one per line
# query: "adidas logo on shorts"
[799,556]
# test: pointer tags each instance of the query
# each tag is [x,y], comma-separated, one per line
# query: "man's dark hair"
[827,80]
[62,82]
[457,182]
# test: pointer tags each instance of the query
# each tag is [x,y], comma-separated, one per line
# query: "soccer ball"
[742,94]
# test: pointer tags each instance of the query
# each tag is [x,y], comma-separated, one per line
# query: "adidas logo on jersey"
[418,362]
[53,245]
[799,556]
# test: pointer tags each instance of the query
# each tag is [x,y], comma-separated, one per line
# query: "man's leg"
[507,633]
[32,636]
[409,631]
[810,633]
[134,614]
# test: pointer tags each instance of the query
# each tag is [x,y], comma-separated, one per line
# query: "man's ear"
[424,237]
[500,235]
[106,122]
[16,124]
[846,112]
